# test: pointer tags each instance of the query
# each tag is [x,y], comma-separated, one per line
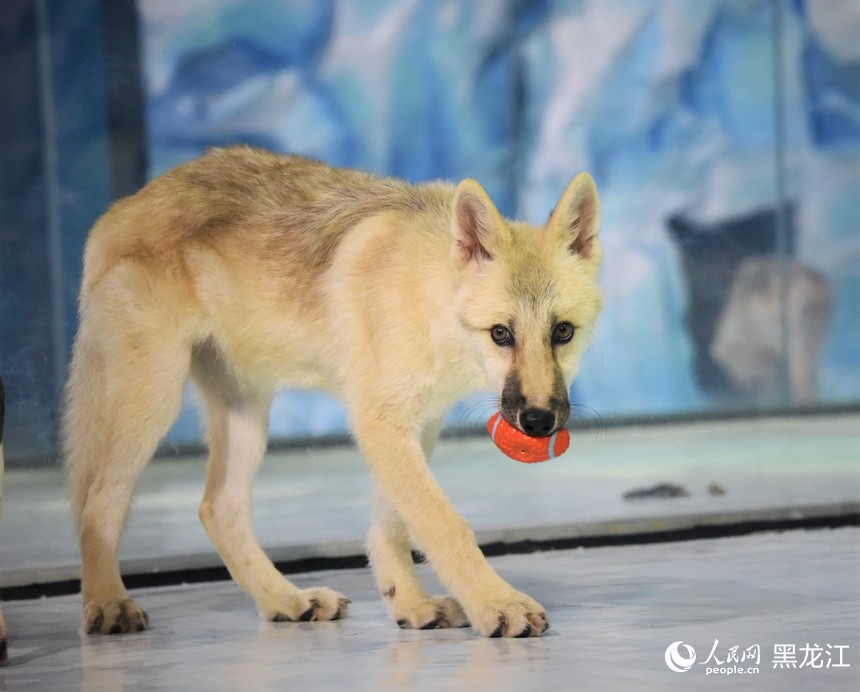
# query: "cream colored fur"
[252,272]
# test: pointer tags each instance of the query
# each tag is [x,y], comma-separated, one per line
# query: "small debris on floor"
[661,491]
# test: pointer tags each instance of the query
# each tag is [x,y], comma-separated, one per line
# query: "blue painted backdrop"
[671,105]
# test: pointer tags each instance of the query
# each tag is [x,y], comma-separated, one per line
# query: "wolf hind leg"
[124,391]
[389,550]
[237,434]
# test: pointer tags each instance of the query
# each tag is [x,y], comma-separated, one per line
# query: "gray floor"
[614,611]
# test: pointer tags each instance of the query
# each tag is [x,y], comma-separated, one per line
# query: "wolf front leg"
[389,549]
[403,478]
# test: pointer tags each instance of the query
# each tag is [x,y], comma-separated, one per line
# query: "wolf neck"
[394,276]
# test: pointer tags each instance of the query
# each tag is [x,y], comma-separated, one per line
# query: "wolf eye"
[501,335]
[562,333]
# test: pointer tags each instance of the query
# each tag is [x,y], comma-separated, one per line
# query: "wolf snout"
[537,422]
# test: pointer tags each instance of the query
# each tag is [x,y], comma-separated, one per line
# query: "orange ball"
[521,447]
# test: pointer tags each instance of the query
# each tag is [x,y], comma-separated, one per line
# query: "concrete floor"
[614,611]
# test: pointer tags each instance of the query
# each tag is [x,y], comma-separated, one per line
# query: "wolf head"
[528,298]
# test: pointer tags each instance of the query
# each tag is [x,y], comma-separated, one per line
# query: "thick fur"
[252,272]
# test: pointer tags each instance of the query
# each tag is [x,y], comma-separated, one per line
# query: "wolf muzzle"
[535,421]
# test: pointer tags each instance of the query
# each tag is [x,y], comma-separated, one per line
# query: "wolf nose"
[537,422]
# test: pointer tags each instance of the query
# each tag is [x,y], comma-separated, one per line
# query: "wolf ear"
[476,224]
[576,219]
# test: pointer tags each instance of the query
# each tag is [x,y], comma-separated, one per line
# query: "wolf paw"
[519,617]
[311,605]
[439,612]
[114,617]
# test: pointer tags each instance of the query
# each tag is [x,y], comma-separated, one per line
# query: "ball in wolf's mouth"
[521,447]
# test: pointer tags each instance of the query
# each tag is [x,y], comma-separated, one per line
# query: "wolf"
[252,271]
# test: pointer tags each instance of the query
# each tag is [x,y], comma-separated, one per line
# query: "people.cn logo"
[676,660]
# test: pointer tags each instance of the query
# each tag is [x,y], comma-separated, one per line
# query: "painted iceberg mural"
[694,114]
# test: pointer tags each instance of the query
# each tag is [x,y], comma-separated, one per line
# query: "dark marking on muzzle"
[536,421]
